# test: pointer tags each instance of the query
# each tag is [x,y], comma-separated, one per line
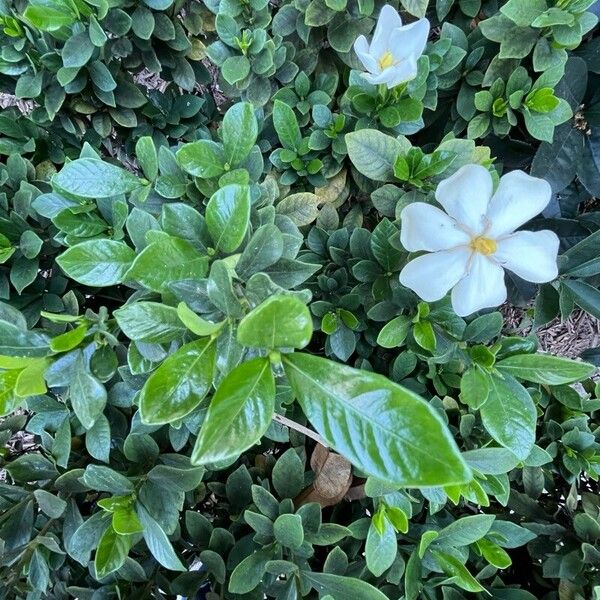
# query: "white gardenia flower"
[472,242]
[391,58]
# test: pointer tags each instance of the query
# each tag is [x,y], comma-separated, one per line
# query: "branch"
[304,430]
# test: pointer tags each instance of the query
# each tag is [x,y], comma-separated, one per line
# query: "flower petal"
[426,227]
[482,287]
[406,70]
[361,47]
[410,40]
[519,198]
[388,20]
[530,254]
[465,196]
[431,276]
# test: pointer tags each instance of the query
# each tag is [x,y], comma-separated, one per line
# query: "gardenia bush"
[250,336]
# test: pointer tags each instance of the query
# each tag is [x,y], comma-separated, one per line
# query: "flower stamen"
[386,61]
[483,245]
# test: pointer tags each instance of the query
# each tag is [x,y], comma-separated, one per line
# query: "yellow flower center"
[483,245]
[386,60]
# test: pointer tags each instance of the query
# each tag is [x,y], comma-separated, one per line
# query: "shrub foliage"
[211,379]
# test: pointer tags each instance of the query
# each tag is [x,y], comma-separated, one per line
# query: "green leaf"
[125,521]
[459,574]
[195,323]
[239,413]
[239,131]
[394,333]
[87,394]
[418,8]
[509,415]
[585,295]
[288,531]
[68,340]
[150,322]
[495,555]
[203,158]
[403,440]
[374,153]
[158,542]
[30,381]
[381,548]
[524,12]
[178,386]
[545,368]
[235,68]
[301,208]
[94,178]
[8,400]
[249,573]
[111,553]
[50,505]
[263,250]
[227,216]
[105,479]
[97,263]
[147,156]
[165,260]
[342,587]
[286,125]
[15,341]
[465,531]
[279,322]
[77,51]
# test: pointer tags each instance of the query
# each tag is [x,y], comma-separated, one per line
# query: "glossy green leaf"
[165,260]
[239,131]
[545,368]
[279,322]
[97,263]
[509,415]
[111,552]
[403,440]
[203,158]
[150,322]
[239,413]
[94,178]
[227,216]
[195,323]
[178,386]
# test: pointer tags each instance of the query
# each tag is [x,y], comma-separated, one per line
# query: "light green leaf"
[301,208]
[227,216]
[418,8]
[203,158]
[239,131]
[195,323]
[279,322]
[97,263]
[94,178]
[286,125]
[374,153]
[111,552]
[150,322]
[165,260]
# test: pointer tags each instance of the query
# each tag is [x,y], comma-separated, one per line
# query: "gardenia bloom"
[392,56]
[472,242]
